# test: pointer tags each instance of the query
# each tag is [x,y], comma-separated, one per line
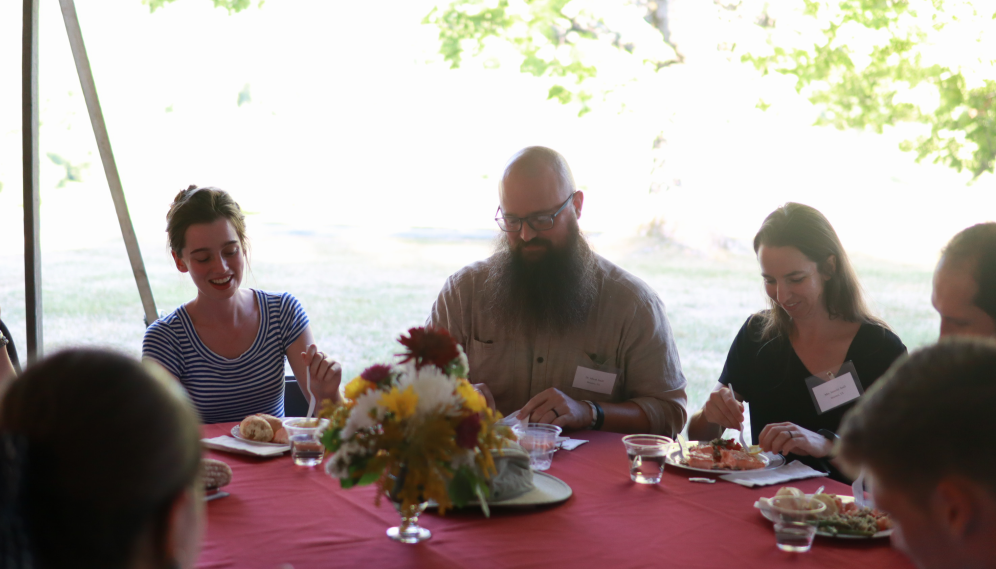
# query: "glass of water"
[540,441]
[306,440]
[795,528]
[646,457]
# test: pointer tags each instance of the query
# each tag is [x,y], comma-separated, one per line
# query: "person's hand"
[723,409]
[484,391]
[553,407]
[788,438]
[326,374]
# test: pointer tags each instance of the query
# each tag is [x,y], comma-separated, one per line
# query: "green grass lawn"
[361,290]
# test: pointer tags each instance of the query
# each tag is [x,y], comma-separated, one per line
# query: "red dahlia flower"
[429,346]
[467,430]
[376,373]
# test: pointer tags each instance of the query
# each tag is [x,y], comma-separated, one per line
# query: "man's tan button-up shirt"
[626,333]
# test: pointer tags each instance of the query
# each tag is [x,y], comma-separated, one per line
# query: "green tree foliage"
[232,6]
[877,63]
[554,39]
[74,172]
[863,63]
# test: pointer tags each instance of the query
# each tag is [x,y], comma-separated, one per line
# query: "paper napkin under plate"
[795,470]
[230,444]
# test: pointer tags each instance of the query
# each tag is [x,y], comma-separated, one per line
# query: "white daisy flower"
[360,415]
[436,392]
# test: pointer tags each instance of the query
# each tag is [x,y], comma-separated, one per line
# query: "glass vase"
[409,531]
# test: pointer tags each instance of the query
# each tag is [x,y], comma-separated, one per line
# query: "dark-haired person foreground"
[8,357]
[784,359]
[923,435]
[554,330]
[227,345]
[99,466]
[965,283]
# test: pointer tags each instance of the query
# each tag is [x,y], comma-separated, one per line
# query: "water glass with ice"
[646,457]
[305,436]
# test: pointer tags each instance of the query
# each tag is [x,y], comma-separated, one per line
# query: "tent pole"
[29,149]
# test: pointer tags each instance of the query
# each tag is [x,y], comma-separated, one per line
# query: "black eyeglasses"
[512,224]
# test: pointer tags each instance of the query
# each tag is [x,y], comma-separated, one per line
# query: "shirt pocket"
[496,364]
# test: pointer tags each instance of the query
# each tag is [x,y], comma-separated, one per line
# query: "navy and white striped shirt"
[225,389]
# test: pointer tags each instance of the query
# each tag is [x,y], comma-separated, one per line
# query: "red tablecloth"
[281,514]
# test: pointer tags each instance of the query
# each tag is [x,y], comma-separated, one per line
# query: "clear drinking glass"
[306,440]
[540,441]
[795,528]
[646,457]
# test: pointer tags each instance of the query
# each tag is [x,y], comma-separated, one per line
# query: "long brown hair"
[106,448]
[806,229]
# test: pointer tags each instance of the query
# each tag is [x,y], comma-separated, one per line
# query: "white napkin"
[230,444]
[792,471]
[568,443]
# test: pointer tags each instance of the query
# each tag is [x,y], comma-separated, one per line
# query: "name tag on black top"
[833,390]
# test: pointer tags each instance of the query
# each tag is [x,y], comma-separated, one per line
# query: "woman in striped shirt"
[227,345]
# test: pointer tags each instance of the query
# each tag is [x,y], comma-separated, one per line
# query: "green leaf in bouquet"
[374,470]
[465,486]
[461,487]
[481,492]
[331,439]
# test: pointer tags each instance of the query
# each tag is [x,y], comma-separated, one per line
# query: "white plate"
[820,531]
[771,461]
[238,434]
[547,490]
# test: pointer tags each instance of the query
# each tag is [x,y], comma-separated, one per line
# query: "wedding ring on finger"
[555,412]
[791,435]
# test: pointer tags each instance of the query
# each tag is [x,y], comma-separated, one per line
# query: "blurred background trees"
[929,64]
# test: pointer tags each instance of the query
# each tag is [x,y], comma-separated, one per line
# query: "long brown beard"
[554,293]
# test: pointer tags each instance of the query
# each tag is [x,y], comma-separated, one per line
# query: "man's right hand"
[723,409]
[483,390]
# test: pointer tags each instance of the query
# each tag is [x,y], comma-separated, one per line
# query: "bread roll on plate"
[256,428]
[275,423]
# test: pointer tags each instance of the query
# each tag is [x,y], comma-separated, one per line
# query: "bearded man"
[553,330]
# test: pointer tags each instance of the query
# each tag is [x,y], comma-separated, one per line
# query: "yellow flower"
[401,403]
[358,386]
[475,401]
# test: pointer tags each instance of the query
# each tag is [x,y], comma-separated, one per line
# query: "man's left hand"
[555,408]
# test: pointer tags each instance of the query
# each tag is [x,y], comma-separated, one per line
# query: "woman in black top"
[789,361]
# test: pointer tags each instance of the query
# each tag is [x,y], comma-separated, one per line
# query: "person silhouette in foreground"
[923,434]
[99,463]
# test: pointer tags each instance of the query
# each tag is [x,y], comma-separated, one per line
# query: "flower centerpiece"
[417,428]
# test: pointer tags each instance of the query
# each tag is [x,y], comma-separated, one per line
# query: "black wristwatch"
[833,438]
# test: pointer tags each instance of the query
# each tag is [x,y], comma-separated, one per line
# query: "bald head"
[537,162]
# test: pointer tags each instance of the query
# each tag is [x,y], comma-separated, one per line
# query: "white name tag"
[594,380]
[836,392]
